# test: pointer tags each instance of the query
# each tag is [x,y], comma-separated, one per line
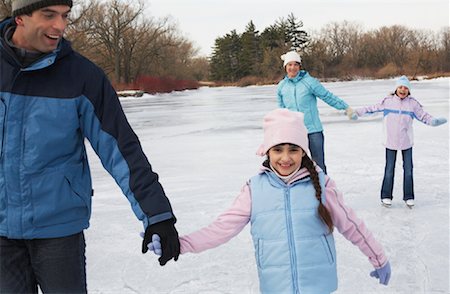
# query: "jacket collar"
[400,99]
[301,175]
[298,77]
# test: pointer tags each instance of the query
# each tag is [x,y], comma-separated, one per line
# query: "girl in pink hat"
[399,111]
[293,208]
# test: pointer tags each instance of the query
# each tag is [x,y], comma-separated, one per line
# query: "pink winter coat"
[232,221]
[398,116]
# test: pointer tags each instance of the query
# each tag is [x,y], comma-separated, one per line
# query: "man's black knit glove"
[170,244]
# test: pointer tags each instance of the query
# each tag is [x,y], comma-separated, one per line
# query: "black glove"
[170,244]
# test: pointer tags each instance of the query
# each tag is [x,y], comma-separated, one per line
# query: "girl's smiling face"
[402,92]
[285,158]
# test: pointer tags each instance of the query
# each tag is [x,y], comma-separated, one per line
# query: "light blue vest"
[294,251]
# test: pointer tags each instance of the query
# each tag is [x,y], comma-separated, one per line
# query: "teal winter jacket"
[295,253]
[300,94]
[47,110]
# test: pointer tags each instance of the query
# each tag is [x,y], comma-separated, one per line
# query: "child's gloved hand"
[438,121]
[383,274]
[155,244]
[170,244]
[351,113]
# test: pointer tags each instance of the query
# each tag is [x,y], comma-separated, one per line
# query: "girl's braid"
[323,212]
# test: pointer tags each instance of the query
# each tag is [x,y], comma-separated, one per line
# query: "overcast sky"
[202,21]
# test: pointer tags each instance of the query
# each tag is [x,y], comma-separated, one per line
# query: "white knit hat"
[284,126]
[290,56]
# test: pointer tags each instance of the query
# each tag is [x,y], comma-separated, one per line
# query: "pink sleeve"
[370,109]
[225,227]
[421,114]
[351,227]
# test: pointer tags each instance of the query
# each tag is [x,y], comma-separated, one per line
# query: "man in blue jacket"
[51,99]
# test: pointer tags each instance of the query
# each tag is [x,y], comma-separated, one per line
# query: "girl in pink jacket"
[293,208]
[399,111]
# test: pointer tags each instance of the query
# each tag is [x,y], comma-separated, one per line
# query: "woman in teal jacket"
[298,91]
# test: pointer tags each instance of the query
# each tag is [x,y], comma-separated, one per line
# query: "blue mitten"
[155,244]
[351,114]
[170,244]
[438,121]
[383,274]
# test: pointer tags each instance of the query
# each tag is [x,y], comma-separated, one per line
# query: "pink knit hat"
[283,126]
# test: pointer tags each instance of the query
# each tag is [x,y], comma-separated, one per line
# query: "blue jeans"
[389,172]
[57,265]
[316,143]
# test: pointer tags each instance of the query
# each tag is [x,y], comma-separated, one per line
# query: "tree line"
[127,42]
[236,56]
[340,50]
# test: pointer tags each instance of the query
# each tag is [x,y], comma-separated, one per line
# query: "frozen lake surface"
[202,143]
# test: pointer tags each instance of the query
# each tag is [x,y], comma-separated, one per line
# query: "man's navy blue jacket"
[46,111]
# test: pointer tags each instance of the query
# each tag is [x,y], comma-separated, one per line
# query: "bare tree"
[317,58]
[342,39]
[444,50]
[5,8]
[119,38]
[394,43]
[113,23]
[152,52]
[199,69]
[423,47]
[79,14]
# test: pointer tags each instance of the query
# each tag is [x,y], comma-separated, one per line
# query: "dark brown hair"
[395,93]
[323,212]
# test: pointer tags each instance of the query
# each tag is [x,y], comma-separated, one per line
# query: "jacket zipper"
[290,239]
[3,128]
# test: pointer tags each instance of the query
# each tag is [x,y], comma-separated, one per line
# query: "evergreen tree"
[273,45]
[225,63]
[295,36]
[273,37]
[251,56]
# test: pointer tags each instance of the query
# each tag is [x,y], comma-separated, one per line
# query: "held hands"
[438,121]
[169,242]
[351,113]
[155,245]
[383,274]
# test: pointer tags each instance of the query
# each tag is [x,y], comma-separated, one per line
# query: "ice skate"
[410,203]
[386,202]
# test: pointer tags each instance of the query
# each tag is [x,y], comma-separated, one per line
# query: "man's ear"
[19,20]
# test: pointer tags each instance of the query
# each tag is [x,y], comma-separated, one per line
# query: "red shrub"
[154,85]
